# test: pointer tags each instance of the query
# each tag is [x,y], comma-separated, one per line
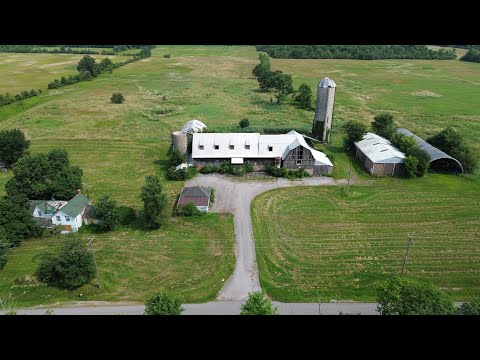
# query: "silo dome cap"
[327,83]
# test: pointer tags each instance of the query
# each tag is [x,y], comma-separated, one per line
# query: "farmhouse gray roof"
[433,152]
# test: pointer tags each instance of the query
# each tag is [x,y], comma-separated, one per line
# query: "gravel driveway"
[234,195]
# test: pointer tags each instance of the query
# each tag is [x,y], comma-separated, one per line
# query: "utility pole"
[95,261]
[410,241]
[349,177]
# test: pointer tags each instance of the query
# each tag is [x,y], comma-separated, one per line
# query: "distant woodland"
[360,52]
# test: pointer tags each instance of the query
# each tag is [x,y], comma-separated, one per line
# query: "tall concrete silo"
[180,141]
[322,121]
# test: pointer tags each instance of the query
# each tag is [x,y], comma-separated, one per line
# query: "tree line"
[360,52]
[88,68]
[26,94]
[70,49]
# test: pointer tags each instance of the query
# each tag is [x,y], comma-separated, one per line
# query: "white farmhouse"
[68,214]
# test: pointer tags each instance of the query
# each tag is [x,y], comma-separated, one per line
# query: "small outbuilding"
[379,156]
[198,195]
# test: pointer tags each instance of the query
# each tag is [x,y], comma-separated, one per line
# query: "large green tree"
[384,125]
[13,145]
[88,63]
[70,269]
[105,211]
[304,96]
[451,142]
[403,296]
[163,304]
[154,202]
[354,132]
[257,304]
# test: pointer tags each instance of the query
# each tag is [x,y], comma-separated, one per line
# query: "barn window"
[59,218]
[201,147]
[247,146]
[216,147]
[67,218]
[270,148]
[232,147]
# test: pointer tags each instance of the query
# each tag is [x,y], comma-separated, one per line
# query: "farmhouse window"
[247,147]
[200,147]
[67,218]
[270,148]
[232,147]
[39,213]
[59,218]
[216,147]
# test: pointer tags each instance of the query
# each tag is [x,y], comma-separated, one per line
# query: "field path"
[235,195]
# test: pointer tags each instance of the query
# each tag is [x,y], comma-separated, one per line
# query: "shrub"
[177,158]
[212,195]
[168,56]
[126,215]
[117,98]
[188,210]
[163,304]
[410,163]
[244,123]
[257,304]
[208,169]
[299,173]
[181,174]
[471,308]
[423,160]
[248,167]
[384,125]
[275,171]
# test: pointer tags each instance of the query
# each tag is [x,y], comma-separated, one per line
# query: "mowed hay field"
[134,264]
[316,242]
[118,145]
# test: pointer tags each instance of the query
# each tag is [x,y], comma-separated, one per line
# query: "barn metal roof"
[250,145]
[193,126]
[379,149]
[435,153]
[327,83]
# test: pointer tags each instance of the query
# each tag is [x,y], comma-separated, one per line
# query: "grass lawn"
[135,264]
[321,239]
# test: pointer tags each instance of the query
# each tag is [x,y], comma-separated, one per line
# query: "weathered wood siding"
[299,158]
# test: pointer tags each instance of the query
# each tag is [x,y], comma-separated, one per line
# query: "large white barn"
[287,150]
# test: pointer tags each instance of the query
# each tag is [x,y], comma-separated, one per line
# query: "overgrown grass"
[340,245]
[134,264]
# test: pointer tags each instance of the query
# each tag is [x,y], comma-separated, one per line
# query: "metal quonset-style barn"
[438,159]
[379,156]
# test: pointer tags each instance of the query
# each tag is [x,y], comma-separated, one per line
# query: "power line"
[95,261]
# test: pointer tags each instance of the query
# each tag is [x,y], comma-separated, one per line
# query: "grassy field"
[311,240]
[20,72]
[117,145]
[134,264]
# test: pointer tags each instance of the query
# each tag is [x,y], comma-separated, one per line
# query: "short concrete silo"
[322,121]
[180,141]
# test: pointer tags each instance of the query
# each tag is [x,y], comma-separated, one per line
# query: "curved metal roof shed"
[438,158]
